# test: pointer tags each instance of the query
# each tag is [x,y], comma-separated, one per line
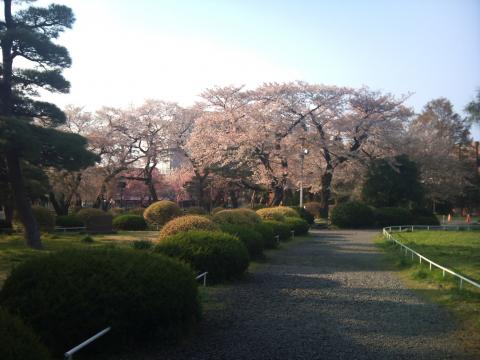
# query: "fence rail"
[387,234]
[204,276]
[69,354]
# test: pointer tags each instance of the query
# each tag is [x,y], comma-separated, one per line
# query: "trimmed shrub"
[18,341]
[116,211]
[277,213]
[352,215]
[161,212]
[252,239]
[69,221]
[425,220]
[135,211]
[223,255]
[279,228]
[217,209]
[392,216]
[87,239]
[142,244]
[45,219]
[304,214]
[195,210]
[129,222]
[298,225]
[187,223]
[70,295]
[266,230]
[313,208]
[237,217]
[96,220]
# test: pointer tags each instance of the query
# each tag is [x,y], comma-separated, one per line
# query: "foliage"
[87,239]
[129,222]
[187,223]
[56,292]
[69,221]
[18,340]
[195,210]
[473,109]
[392,216]
[352,215]
[425,220]
[135,211]
[142,244]
[160,212]
[268,235]
[279,228]
[271,214]
[221,254]
[304,214]
[217,209]
[44,217]
[313,208]
[116,211]
[252,239]
[392,183]
[298,225]
[96,220]
[237,217]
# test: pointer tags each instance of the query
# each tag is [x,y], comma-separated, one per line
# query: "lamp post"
[303,152]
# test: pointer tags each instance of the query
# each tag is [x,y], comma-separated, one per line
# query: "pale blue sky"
[125,51]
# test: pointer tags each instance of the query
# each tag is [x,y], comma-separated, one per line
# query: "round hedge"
[268,235]
[392,216]
[18,341]
[252,239]
[195,210]
[68,296]
[135,211]
[279,228]
[277,213]
[223,255]
[96,220]
[298,225]
[314,208]
[129,222]
[116,211]
[304,214]
[425,220]
[187,223]
[161,212]
[217,209]
[69,221]
[352,215]
[45,219]
[237,217]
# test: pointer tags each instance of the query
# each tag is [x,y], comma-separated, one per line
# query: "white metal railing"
[387,233]
[69,354]
[204,276]
[73,228]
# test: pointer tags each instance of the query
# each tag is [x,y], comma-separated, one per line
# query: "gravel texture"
[329,297]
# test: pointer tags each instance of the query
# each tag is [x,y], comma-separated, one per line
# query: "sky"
[127,51]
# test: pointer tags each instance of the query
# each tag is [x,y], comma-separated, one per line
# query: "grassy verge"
[459,251]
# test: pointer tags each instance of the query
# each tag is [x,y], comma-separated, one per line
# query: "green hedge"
[187,223]
[425,220]
[96,220]
[268,234]
[18,341]
[161,212]
[252,239]
[237,217]
[279,228]
[195,210]
[277,213]
[135,211]
[352,215]
[298,225]
[129,222]
[45,219]
[69,221]
[223,255]
[392,216]
[304,214]
[68,296]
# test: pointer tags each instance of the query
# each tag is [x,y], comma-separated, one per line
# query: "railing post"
[293,234]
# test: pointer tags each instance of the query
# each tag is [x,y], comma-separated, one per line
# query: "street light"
[302,158]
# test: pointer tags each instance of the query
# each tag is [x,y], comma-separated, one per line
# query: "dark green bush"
[425,220]
[392,216]
[135,211]
[223,255]
[161,212]
[279,228]
[18,341]
[304,214]
[68,296]
[69,221]
[96,220]
[87,239]
[352,215]
[267,233]
[217,209]
[195,210]
[252,239]
[187,223]
[129,222]
[116,211]
[298,225]
[45,219]
[237,217]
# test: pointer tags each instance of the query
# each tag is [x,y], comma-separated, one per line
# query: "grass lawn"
[457,250]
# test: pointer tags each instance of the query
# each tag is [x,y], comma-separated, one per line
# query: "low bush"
[69,221]
[195,210]
[298,225]
[45,219]
[217,209]
[18,341]
[161,212]
[142,244]
[392,216]
[223,255]
[352,215]
[425,220]
[304,214]
[129,222]
[314,208]
[237,217]
[252,239]
[279,228]
[187,223]
[87,239]
[135,211]
[266,230]
[96,220]
[277,213]
[116,211]
[68,296]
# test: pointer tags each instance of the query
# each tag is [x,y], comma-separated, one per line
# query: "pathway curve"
[329,297]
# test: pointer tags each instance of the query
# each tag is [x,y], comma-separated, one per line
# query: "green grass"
[456,250]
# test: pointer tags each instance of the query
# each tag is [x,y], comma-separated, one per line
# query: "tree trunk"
[61,207]
[233,197]
[325,193]
[277,197]
[32,234]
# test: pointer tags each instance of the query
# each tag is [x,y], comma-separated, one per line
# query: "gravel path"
[329,297]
